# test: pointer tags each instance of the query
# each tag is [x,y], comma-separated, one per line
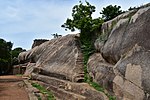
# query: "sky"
[22,21]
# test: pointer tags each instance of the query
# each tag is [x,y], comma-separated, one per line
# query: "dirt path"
[12,88]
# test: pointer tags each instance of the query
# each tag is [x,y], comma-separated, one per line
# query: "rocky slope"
[122,61]
[58,65]
[61,58]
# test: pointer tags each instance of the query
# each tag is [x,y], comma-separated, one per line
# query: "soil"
[12,88]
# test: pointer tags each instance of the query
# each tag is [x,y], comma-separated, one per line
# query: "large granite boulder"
[59,57]
[58,66]
[132,79]
[126,48]
[126,33]
[101,71]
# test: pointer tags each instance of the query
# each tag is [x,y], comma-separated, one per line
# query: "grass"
[49,94]
[99,88]
[18,74]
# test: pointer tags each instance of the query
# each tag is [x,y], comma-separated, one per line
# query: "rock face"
[58,66]
[132,75]
[37,42]
[126,53]
[126,33]
[60,57]
[121,63]
[101,71]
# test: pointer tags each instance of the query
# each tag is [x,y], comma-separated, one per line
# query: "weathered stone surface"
[98,45]
[59,57]
[126,90]
[19,69]
[123,32]
[109,25]
[101,71]
[132,31]
[38,42]
[122,63]
[29,69]
[66,90]
[132,74]
[127,47]
[58,63]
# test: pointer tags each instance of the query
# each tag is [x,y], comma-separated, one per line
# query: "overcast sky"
[22,21]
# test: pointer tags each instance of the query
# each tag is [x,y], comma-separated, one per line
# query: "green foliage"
[5,56]
[111,12]
[82,17]
[44,91]
[16,51]
[132,8]
[96,86]
[83,21]
[5,48]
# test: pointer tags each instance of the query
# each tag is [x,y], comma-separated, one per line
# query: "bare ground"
[12,88]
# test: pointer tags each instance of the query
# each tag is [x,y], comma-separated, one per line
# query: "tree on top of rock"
[111,12]
[82,20]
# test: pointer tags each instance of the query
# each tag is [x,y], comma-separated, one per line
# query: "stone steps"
[66,90]
[62,94]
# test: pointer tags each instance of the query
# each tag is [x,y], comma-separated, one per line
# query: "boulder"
[123,32]
[101,71]
[61,58]
[126,49]
[132,78]
[38,42]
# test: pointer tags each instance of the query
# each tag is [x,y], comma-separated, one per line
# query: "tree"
[132,8]
[83,21]
[15,52]
[5,56]
[56,35]
[111,12]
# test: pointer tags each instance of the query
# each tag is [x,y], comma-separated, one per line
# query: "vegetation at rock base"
[49,95]
[88,79]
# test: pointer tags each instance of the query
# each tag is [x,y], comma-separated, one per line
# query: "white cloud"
[24,20]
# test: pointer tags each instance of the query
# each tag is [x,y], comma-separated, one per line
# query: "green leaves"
[5,56]
[82,18]
[83,21]
[110,12]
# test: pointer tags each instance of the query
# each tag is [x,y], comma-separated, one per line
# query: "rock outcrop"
[101,71]
[58,66]
[60,57]
[125,55]
[37,42]
[121,63]
[132,75]
[126,33]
